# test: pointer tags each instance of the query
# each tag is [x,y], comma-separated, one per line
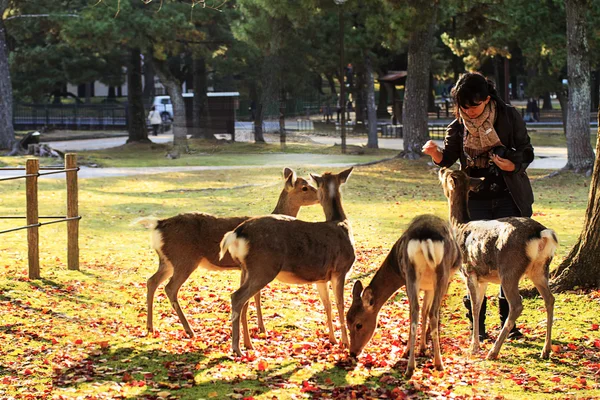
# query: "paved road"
[548,157]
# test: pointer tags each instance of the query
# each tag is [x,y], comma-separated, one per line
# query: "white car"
[165,107]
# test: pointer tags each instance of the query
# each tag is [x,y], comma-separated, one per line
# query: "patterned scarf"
[480,136]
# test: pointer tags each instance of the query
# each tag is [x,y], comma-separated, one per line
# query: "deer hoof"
[545,354]
[409,372]
[492,356]
[440,367]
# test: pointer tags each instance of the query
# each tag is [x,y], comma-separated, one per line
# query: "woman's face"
[475,110]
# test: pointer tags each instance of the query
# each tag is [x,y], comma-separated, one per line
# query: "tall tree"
[581,268]
[7,133]
[579,150]
[414,109]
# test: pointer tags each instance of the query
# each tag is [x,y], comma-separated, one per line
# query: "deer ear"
[287,172]
[290,180]
[317,178]
[442,174]
[357,290]
[343,176]
[368,299]
[475,184]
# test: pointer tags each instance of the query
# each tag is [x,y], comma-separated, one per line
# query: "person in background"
[155,120]
[491,141]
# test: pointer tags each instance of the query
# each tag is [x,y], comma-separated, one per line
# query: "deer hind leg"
[412,290]
[244,317]
[338,289]
[511,292]
[180,274]
[165,271]
[541,283]
[259,316]
[324,294]
[251,285]
[434,319]
[427,299]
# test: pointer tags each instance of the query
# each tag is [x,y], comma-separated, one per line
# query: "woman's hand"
[432,150]
[503,163]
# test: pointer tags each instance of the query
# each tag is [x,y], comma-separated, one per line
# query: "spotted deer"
[294,252]
[499,251]
[424,258]
[191,240]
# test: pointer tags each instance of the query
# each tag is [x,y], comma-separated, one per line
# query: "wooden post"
[32,167]
[72,211]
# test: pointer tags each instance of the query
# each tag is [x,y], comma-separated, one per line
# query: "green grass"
[81,333]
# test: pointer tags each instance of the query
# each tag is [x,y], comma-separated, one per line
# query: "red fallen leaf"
[78,341]
[582,381]
[572,346]
[27,372]
[5,380]
[103,344]
[263,365]
[248,398]
[127,377]
[556,348]
[597,343]
[53,341]
[595,327]
[555,378]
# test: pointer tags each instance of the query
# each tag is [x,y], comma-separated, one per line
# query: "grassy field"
[81,334]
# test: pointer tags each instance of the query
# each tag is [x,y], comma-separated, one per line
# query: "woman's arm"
[522,155]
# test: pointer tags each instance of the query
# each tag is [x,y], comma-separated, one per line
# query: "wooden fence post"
[72,211]
[32,167]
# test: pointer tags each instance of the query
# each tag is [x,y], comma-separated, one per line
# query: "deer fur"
[424,258]
[294,252]
[191,240]
[500,251]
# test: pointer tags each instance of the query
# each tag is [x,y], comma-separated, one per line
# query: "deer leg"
[180,275]
[476,293]
[412,290]
[541,283]
[324,294]
[252,284]
[244,316]
[427,299]
[165,271]
[338,289]
[434,318]
[259,316]
[511,292]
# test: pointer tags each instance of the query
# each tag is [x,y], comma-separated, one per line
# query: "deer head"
[361,318]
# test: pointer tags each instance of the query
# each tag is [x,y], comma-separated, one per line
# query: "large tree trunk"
[173,86]
[581,268]
[138,130]
[370,99]
[414,111]
[200,104]
[580,155]
[7,132]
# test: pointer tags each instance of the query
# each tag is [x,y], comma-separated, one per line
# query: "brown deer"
[499,251]
[191,240]
[294,252]
[424,258]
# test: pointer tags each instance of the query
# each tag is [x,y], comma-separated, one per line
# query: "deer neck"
[333,209]
[459,210]
[387,280]
[285,206]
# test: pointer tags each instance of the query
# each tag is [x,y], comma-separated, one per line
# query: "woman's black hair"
[471,89]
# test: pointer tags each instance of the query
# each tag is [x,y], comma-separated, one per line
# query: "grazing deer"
[499,251]
[424,258]
[294,252]
[188,241]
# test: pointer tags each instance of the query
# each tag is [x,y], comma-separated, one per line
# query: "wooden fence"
[32,172]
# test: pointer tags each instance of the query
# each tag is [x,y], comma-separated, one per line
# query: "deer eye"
[358,327]
[304,188]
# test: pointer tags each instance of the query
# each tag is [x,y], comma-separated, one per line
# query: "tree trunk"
[149,90]
[138,130]
[7,132]
[414,112]
[547,101]
[581,268]
[200,104]
[382,104]
[580,155]
[561,95]
[173,86]
[370,99]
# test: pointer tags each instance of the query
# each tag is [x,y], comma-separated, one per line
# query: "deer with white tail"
[294,252]
[424,258]
[186,241]
[499,251]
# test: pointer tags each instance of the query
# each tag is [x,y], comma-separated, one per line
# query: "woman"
[155,120]
[490,139]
